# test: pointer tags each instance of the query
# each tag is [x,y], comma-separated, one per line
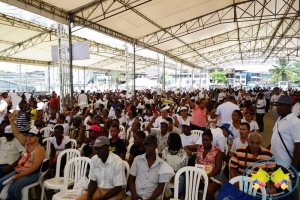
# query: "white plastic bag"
[82,183]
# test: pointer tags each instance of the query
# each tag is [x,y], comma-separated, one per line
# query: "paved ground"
[268,119]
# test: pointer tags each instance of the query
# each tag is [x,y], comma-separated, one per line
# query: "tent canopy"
[197,33]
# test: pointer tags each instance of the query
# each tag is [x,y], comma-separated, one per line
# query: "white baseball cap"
[187,123]
[8,129]
[34,130]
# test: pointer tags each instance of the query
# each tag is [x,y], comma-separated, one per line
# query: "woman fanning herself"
[27,171]
[208,155]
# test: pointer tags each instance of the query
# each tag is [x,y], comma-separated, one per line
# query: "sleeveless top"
[26,161]
[210,158]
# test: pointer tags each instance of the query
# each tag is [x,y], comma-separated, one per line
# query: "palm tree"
[283,70]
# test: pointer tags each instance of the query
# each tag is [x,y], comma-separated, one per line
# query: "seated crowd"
[152,133]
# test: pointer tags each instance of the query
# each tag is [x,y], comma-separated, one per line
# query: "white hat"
[34,130]
[183,108]
[140,106]
[8,129]
[166,108]
[164,122]
[187,123]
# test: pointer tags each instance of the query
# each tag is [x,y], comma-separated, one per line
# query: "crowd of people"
[149,130]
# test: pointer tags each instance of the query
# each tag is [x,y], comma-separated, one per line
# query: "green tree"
[116,78]
[219,76]
[283,70]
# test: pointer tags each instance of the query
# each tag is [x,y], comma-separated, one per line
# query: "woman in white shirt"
[148,115]
[182,118]
[176,157]
[237,119]
[253,124]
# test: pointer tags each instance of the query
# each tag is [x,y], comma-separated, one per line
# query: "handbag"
[298,165]
[229,191]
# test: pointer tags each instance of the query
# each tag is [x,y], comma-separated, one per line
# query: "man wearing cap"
[224,111]
[107,174]
[179,120]
[161,133]
[285,141]
[10,151]
[274,99]
[188,138]
[164,114]
[145,180]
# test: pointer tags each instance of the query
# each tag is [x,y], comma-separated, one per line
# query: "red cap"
[94,128]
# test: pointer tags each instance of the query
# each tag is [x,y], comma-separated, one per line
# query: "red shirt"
[54,102]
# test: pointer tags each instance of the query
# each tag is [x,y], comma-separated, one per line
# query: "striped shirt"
[167,101]
[238,161]
[22,123]
[51,122]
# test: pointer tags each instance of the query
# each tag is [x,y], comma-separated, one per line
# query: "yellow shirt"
[33,114]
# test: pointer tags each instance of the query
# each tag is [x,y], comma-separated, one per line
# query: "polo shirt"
[224,111]
[268,94]
[289,128]
[237,143]
[259,104]
[109,174]
[296,109]
[166,101]
[161,140]
[10,150]
[218,139]
[238,161]
[147,179]
[188,140]
[274,99]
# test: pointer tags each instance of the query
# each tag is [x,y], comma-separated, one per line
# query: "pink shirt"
[199,116]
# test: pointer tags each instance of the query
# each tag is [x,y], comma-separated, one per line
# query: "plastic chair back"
[192,180]
[248,182]
[47,131]
[122,128]
[144,125]
[141,119]
[74,143]
[70,153]
[127,133]
[76,168]
[48,147]
[197,132]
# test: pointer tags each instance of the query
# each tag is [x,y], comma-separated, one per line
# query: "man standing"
[168,100]
[260,106]
[267,97]
[285,141]
[274,99]
[82,99]
[54,102]
[224,111]
[107,174]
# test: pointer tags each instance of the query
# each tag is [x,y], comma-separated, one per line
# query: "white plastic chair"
[192,180]
[197,132]
[127,174]
[144,125]
[127,133]
[48,147]
[74,143]
[46,131]
[122,128]
[57,181]
[77,167]
[248,182]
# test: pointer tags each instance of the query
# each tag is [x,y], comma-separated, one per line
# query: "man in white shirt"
[164,114]
[107,174]
[82,100]
[296,108]
[188,138]
[221,96]
[11,150]
[274,99]
[260,111]
[3,109]
[241,140]
[224,111]
[287,149]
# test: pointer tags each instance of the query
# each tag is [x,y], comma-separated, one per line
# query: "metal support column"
[49,77]
[134,46]
[164,78]
[180,81]
[193,77]
[20,84]
[200,78]
[158,73]
[71,65]
[60,66]
[127,67]
[84,79]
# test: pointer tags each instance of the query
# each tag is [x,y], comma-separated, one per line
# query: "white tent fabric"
[141,83]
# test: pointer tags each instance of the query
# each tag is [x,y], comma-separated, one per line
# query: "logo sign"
[269,174]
